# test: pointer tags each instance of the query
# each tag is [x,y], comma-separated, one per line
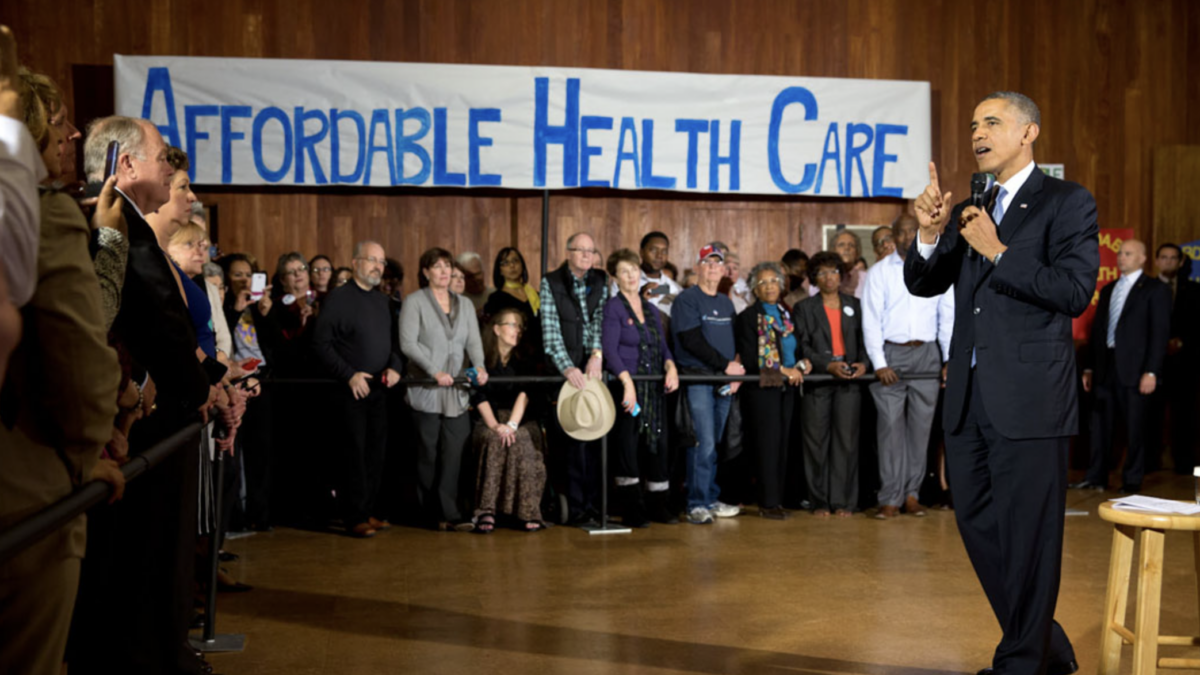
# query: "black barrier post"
[211,642]
[545,230]
[605,527]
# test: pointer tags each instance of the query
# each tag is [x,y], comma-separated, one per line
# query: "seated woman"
[831,335]
[635,344]
[507,438]
[769,345]
[513,290]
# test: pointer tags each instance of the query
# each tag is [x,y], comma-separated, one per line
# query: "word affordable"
[295,122]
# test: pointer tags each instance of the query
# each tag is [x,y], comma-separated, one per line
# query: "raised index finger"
[933,177]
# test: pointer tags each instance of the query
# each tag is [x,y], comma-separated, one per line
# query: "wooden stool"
[1149,527]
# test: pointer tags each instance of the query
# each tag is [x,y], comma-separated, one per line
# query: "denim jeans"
[709,413]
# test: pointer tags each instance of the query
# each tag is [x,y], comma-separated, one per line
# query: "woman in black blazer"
[829,414]
[769,344]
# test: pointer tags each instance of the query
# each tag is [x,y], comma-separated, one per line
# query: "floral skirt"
[510,480]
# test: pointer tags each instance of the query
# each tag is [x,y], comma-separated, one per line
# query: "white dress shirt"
[1011,187]
[892,314]
[661,302]
[21,169]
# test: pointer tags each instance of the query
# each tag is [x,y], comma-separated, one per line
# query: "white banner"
[294,122]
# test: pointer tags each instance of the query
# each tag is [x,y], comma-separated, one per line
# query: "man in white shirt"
[902,332]
[656,286]
[21,169]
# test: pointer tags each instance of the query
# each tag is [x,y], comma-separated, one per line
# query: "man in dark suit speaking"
[1022,268]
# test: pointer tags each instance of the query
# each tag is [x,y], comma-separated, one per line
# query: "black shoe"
[1053,669]
[586,518]
[657,509]
[1086,485]
[1130,489]
[630,506]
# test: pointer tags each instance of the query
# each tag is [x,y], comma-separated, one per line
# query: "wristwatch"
[511,425]
[996,259]
[597,354]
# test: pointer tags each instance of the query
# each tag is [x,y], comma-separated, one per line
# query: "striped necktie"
[1115,305]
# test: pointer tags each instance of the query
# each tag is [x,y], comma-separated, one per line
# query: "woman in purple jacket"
[635,344]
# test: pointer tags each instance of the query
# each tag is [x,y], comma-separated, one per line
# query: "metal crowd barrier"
[41,524]
[27,532]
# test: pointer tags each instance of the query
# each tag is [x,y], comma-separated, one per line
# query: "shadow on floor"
[362,616]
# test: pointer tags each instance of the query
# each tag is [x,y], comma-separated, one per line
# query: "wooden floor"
[745,595]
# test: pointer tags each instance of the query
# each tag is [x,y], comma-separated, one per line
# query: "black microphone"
[979,183]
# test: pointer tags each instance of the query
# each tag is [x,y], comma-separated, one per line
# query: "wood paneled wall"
[1114,78]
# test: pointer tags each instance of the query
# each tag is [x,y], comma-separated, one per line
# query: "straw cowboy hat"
[586,414]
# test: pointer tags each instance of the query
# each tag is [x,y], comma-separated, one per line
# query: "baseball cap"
[709,250]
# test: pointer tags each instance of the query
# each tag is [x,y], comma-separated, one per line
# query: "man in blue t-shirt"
[702,323]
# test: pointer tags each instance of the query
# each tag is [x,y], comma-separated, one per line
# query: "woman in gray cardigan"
[436,328]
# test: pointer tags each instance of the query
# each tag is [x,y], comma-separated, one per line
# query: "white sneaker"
[723,510]
[699,516]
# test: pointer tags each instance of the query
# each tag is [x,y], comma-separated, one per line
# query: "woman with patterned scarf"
[769,346]
[635,344]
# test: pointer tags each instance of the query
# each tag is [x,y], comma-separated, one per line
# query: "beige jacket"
[59,399]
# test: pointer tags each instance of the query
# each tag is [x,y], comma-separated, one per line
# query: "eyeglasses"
[371,259]
[712,261]
[324,268]
[585,251]
[295,271]
[770,281]
[511,262]
[827,273]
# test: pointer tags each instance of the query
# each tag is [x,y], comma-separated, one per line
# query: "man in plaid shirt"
[573,299]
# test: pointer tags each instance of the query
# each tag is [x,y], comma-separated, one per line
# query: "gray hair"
[572,238]
[468,256]
[286,258]
[765,266]
[358,248]
[212,269]
[125,130]
[1027,110]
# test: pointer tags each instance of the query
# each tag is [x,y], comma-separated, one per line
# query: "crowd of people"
[338,400]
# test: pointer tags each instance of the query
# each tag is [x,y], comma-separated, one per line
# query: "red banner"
[1110,243]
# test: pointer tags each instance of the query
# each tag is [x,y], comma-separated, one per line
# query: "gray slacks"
[439,460]
[905,420]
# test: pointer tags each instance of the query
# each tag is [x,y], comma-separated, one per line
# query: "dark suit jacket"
[816,337]
[745,335]
[154,324]
[1142,332]
[1017,315]
[1185,321]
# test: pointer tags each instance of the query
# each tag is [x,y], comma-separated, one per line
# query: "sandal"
[821,513]
[534,526]
[486,524]
[362,531]
[842,513]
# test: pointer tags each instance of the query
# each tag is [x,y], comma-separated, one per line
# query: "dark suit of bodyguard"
[1010,397]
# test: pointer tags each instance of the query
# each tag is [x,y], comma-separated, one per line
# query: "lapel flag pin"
[1024,205]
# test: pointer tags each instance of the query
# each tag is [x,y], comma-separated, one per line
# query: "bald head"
[1132,256]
